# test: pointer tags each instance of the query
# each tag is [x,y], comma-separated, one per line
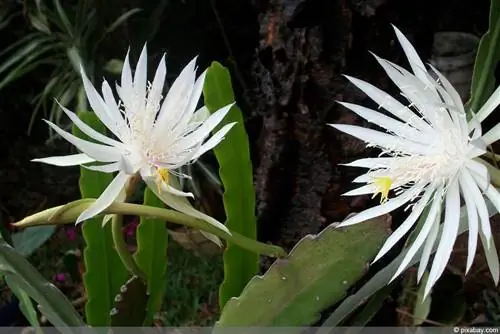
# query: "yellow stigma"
[162,176]
[383,185]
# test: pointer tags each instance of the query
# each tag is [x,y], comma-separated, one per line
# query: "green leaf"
[52,302]
[27,241]
[318,273]
[151,255]
[235,170]
[487,57]
[25,304]
[105,273]
[383,277]
[130,304]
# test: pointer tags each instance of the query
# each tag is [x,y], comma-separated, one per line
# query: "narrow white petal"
[407,224]
[98,105]
[200,115]
[473,221]
[424,233]
[140,78]
[372,162]
[175,191]
[98,152]
[116,115]
[400,129]
[384,208]
[493,135]
[191,106]
[89,131]
[214,140]
[108,168]
[106,199]
[448,237]
[363,190]
[154,95]
[382,139]
[474,182]
[429,244]
[491,256]
[181,204]
[390,104]
[203,131]
[489,106]
[177,99]
[126,87]
[416,63]
[66,160]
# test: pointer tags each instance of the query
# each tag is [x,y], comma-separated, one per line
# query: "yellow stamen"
[162,176]
[383,185]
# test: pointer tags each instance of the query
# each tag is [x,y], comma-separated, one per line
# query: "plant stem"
[69,213]
[121,248]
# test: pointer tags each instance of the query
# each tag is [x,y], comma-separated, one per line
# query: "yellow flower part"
[383,185]
[162,176]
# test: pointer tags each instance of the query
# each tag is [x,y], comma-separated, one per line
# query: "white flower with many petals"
[154,136]
[429,158]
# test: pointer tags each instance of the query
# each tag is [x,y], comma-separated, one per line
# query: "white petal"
[181,204]
[489,106]
[491,256]
[126,90]
[448,237]
[416,63]
[390,104]
[98,105]
[384,140]
[116,115]
[372,162]
[200,115]
[191,106]
[203,131]
[363,190]
[176,192]
[106,199]
[214,140]
[140,78]
[473,221]
[473,182]
[154,95]
[424,233]
[407,224]
[492,136]
[89,131]
[98,152]
[177,99]
[400,129]
[108,168]
[66,160]
[429,244]
[384,208]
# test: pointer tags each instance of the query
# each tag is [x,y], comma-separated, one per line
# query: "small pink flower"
[60,277]
[71,233]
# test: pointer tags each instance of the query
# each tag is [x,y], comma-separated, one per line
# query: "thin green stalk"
[69,213]
[121,248]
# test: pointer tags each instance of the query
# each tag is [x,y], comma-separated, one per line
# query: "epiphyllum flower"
[154,137]
[429,158]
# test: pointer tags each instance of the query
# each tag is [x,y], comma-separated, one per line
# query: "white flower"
[155,136]
[429,158]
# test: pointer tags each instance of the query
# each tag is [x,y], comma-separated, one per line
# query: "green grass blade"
[488,55]
[105,273]
[235,170]
[151,255]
